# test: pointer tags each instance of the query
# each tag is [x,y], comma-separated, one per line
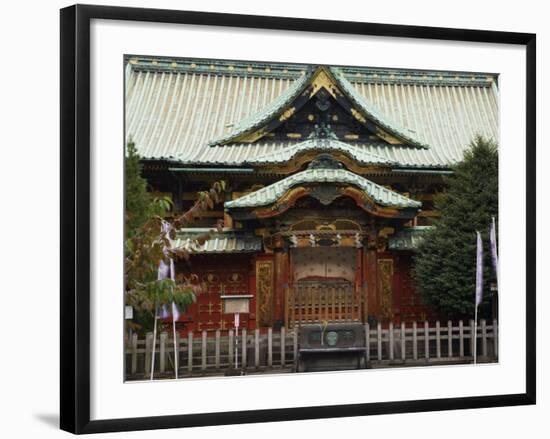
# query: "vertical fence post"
[287,298]
[177,352]
[333,302]
[473,338]
[426,340]
[495,338]
[162,351]
[203,350]
[484,337]
[367,342]
[379,337]
[415,341]
[270,347]
[403,345]
[438,339]
[218,341]
[461,338]
[449,339]
[134,352]
[190,351]
[230,347]
[390,340]
[257,348]
[283,346]
[243,356]
[148,348]
[295,350]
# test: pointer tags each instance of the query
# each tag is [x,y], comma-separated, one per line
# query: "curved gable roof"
[367,114]
[269,194]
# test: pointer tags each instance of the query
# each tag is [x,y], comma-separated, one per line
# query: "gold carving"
[323,79]
[287,114]
[385,288]
[253,136]
[387,137]
[264,292]
[358,115]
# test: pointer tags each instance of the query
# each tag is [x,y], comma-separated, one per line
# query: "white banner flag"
[479,270]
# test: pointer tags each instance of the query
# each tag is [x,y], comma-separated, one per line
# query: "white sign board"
[236,303]
[236,306]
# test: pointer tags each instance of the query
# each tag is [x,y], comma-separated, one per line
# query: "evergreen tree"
[138,200]
[445,264]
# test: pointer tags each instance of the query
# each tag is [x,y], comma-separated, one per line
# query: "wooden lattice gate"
[319,302]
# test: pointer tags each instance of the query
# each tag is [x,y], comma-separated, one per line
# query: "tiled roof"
[173,113]
[272,109]
[379,118]
[270,194]
[224,242]
[321,145]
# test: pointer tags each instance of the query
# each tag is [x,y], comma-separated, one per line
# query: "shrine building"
[331,175]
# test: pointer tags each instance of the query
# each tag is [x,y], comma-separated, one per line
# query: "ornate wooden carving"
[325,194]
[362,200]
[282,204]
[385,288]
[264,292]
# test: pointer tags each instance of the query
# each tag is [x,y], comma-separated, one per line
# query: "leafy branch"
[149,241]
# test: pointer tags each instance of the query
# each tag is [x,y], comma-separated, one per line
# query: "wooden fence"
[272,351]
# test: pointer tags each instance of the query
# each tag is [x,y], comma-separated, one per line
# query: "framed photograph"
[268,218]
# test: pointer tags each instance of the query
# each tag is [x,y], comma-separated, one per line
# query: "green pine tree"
[138,200]
[445,264]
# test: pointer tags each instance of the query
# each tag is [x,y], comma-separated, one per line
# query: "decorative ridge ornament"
[325,161]
[322,131]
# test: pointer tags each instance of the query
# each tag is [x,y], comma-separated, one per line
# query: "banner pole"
[474,335]
[154,343]
[175,341]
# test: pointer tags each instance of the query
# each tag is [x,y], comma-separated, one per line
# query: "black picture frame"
[75,217]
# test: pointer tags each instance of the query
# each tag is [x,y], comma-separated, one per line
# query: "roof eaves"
[324,145]
[269,194]
[217,243]
[372,113]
